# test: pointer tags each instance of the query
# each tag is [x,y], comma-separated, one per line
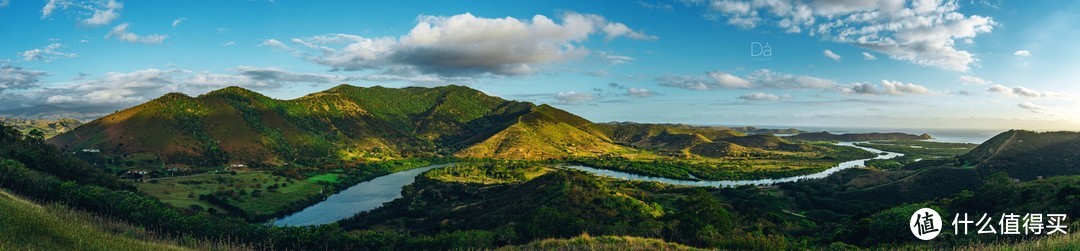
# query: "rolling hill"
[346,123]
[235,125]
[1027,155]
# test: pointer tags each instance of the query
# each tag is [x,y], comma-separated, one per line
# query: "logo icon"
[925,224]
[760,50]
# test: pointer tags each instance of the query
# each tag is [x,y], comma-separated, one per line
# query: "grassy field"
[253,192]
[586,242]
[25,225]
[488,173]
[329,178]
[922,149]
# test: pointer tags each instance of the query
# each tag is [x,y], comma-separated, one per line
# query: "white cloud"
[13,77]
[114,88]
[887,87]
[1024,92]
[573,98]
[110,11]
[142,85]
[639,92]
[614,30]
[830,54]
[50,6]
[972,80]
[178,21]
[726,80]
[230,43]
[762,78]
[761,96]
[859,88]
[121,32]
[48,53]
[768,79]
[466,45]
[688,82]
[90,13]
[868,56]
[611,58]
[923,32]
[1022,53]
[897,88]
[276,45]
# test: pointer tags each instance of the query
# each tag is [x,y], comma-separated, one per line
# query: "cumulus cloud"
[91,13]
[726,80]
[1022,53]
[639,92]
[1024,92]
[466,45]
[920,32]
[121,33]
[830,54]
[573,98]
[105,15]
[972,80]
[761,96]
[14,77]
[48,53]
[897,88]
[868,56]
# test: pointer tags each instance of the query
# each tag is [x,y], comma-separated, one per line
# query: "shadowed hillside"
[1027,155]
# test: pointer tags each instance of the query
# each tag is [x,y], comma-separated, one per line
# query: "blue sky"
[925,64]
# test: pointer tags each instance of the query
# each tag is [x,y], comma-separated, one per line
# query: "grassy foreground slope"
[586,242]
[26,225]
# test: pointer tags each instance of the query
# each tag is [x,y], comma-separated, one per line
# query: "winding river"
[372,194]
[735,183]
[358,198]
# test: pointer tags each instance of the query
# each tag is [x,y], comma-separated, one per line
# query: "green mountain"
[544,132]
[235,125]
[1027,155]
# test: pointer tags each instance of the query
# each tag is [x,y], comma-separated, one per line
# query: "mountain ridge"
[345,122]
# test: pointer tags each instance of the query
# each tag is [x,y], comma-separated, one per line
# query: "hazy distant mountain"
[827,136]
[48,128]
[52,112]
[343,123]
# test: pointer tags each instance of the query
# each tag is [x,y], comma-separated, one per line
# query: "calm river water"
[372,194]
